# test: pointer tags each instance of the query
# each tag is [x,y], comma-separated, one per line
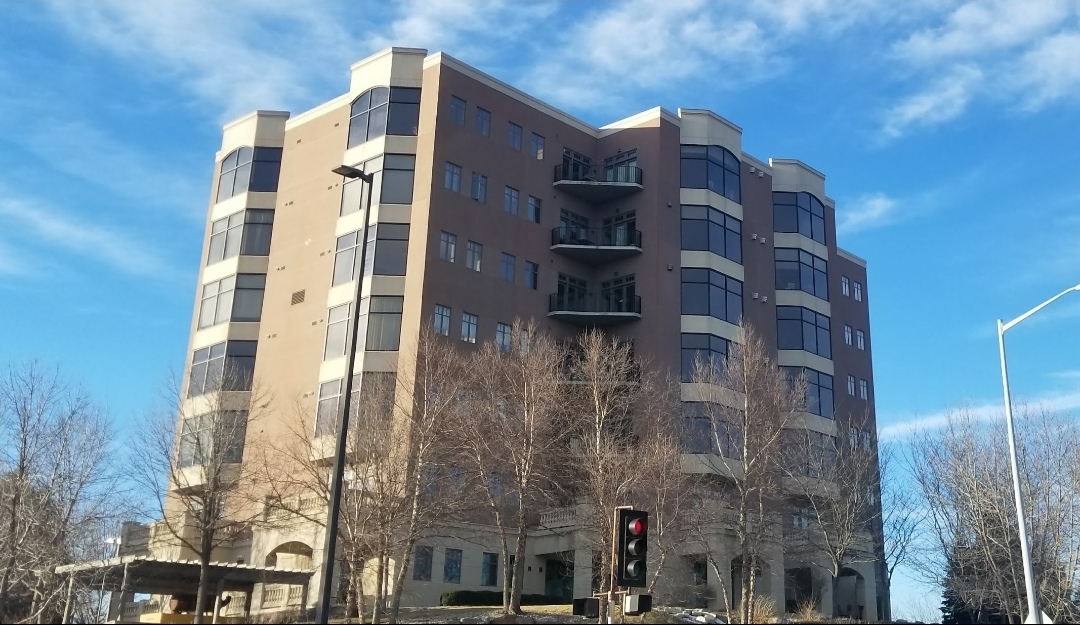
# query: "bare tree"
[617,408]
[427,401]
[837,484]
[966,486]
[295,470]
[58,484]
[901,515]
[742,407]
[188,460]
[509,435]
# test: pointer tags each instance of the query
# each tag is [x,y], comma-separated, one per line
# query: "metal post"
[67,601]
[217,599]
[326,576]
[1034,613]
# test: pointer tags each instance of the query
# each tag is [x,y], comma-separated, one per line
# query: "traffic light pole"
[614,558]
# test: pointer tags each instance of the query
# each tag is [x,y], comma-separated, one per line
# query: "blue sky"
[949,133]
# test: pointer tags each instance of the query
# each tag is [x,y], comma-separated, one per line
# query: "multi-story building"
[489,205]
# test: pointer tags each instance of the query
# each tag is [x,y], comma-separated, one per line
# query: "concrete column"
[828,604]
[869,590]
[583,573]
[775,575]
[217,599]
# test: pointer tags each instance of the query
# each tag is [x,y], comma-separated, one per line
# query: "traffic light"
[632,548]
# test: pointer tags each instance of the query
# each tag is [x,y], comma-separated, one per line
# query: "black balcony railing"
[611,236]
[605,303]
[626,174]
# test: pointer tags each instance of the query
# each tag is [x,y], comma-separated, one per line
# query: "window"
[457,111]
[864,390]
[706,434]
[507,267]
[216,304]
[798,270]
[819,389]
[711,167]
[622,168]
[708,292]
[248,297]
[246,233]
[620,295]
[847,334]
[246,169]
[422,563]
[329,401]
[452,180]
[802,328]
[347,258]
[851,385]
[337,324]
[537,147]
[384,111]
[468,327]
[489,571]
[353,196]
[483,122]
[572,293]
[199,436]
[384,323]
[502,336]
[801,213]
[388,249]
[532,212]
[858,292]
[709,349]
[801,518]
[845,285]
[860,339]
[478,190]
[532,275]
[707,229]
[227,366]
[258,226]
[474,253]
[513,136]
[397,179]
[225,237]
[510,200]
[452,567]
[442,319]
[447,246]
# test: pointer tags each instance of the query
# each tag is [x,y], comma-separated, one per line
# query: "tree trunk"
[380,588]
[519,564]
[204,582]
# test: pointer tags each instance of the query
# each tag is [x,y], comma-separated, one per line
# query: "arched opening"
[849,594]
[290,555]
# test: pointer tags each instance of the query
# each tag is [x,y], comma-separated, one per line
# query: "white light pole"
[1035,615]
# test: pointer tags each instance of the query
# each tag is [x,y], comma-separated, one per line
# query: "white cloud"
[1049,71]
[867,212]
[236,56]
[50,227]
[945,99]
[980,28]
[467,29]
[1020,54]
[903,427]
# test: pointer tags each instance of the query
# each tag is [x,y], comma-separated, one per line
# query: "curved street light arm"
[1006,326]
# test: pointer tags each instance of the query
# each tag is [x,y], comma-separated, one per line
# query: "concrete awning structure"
[145,574]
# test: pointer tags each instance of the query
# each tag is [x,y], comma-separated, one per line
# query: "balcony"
[590,310]
[598,186]
[596,245]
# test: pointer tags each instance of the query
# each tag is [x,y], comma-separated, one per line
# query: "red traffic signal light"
[632,548]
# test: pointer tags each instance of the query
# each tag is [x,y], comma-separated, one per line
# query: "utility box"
[633,605]
[589,608]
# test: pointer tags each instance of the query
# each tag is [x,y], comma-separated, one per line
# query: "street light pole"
[1034,612]
[322,610]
